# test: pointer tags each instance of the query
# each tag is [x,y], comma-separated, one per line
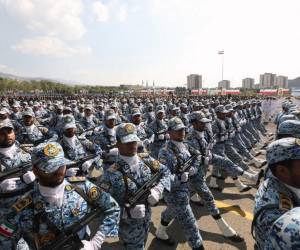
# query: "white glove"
[225,137]
[29,177]
[9,184]
[184,177]
[87,164]
[95,243]
[154,197]
[113,152]
[167,136]
[161,137]
[239,129]
[72,172]
[137,212]
[206,160]
[232,134]
[222,138]
[193,171]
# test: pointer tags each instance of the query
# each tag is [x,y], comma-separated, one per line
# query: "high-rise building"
[248,83]
[225,84]
[281,81]
[194,81]
[267,80]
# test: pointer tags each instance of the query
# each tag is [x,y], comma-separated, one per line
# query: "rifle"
[188,164]
[80,161]
[143,191]
[68,239]
[15,172]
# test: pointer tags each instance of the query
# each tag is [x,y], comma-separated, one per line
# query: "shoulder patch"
[94,193]
[22,203]
[155,165]
[7,229]
[285,203]
[76,179]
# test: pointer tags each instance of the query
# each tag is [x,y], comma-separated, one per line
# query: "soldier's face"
[3,116]
[160,115]
[59,111]
[87,112]
[7,137]
[127,149]
[177,135]
[50,179]
[294,177]
[221,115]
[110,123]
[137,119]
[199,126]
[70,132]
[28,120]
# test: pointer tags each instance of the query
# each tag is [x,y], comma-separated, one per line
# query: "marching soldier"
[55,204]
[129,173]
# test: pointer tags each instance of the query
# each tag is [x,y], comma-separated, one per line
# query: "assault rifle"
[15,172]
[68,239]
[143,191]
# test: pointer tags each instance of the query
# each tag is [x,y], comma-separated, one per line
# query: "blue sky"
[124,42]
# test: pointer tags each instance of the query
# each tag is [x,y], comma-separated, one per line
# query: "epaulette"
[73,179]
[22,203]
[113,168]
[285,203]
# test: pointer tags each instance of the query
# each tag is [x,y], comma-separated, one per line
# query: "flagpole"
[223,66]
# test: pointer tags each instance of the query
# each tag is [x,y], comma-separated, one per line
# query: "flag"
[221,52]
[7,229]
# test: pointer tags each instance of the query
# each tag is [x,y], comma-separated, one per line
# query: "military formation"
[75,171]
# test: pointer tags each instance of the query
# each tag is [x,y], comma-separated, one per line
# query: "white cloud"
[100,11]
[122,13]
[50,17]
[49,46]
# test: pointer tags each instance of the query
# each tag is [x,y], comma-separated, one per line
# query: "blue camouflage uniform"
[273,197]
[284,233]
[39,222]
[177,199]
[122,181]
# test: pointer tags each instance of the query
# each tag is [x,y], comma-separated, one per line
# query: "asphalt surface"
[236,208]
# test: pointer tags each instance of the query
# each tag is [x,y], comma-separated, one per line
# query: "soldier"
[197,139]
[284,233]
[280,192]
[143,132]
[221,149]
[106,136]
[77,148]
[32,133]
[124,178]
[159,128]
[56,203]
[174,155]
[89,121]
[11,157]
[149,115]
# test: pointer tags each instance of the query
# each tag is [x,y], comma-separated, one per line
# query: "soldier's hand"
[9,184]
[72,172]
[154,197]
[193,171]
[184,177]
[29,177]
